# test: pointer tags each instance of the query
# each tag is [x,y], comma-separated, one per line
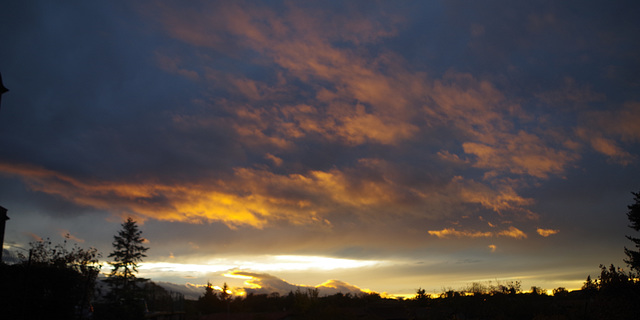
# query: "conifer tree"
[209,302]
[633,215]
[128,252]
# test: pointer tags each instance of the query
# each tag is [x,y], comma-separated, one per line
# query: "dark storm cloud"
[86,87]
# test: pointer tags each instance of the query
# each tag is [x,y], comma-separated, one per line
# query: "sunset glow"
[258,263]
[346,146]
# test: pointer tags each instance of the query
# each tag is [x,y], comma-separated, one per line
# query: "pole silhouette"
[3,211]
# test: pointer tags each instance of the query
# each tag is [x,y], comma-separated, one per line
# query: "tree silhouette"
[52,282]
[421,295]
[634,218]
[128,252]
[209,302]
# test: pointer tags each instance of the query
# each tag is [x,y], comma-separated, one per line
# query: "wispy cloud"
[357,99]
[511,232]
[546,232]
[607,131]
[255,197]
[451,232]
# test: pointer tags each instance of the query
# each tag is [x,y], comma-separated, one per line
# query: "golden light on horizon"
[266,263]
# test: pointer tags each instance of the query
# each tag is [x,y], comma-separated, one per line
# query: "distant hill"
[190,291]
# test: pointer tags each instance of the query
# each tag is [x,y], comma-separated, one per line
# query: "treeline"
[300,303]
[615,294]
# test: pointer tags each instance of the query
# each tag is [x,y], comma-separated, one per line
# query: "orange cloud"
[473,106]
[608,131]
[546,232]
[354,99]
[523,153]
[512,232]
[292,39]
[493,247]
[250,197]
[611,149]
[389,95]
[501,199]
[257,197]
[623,122]
[276,161]
[358,98]
[480,111]
[606,146]
[175,203]
[451,232]
[33,236]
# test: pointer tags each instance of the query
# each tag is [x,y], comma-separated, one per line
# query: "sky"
[361,145]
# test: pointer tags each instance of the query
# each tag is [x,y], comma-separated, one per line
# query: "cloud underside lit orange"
[546,232]
[255,197]
[511,232]
[393,103]
[376,99]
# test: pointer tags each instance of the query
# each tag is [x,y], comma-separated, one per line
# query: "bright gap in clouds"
[256,263]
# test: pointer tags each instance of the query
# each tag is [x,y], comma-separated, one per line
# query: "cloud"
[493,247]
[295,40]
[546,232]
[511,232]
[622,122]
[34,236]
[610,148]
[346,98]
[276,161]
[607,130]
[450,232]
[163,202]
[522,153]
[259,197]
[354,97]
[487,121]
[605,146]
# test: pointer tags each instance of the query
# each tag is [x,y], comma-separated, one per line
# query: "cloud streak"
[511,232]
